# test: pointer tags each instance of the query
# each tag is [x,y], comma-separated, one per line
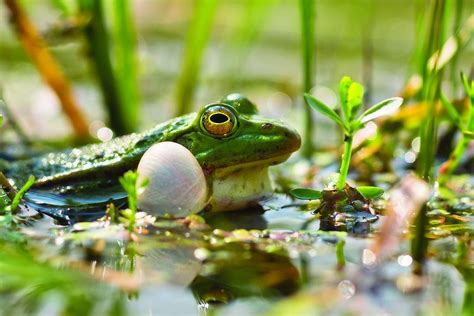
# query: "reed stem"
[307,39]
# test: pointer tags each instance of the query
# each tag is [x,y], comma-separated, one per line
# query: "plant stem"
[431,91]
[98,40]
[124,51]
[47,66]
[346,160]
[307,39]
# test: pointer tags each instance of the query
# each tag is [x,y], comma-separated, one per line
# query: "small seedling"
[129,183]
[351,97]
[465,125]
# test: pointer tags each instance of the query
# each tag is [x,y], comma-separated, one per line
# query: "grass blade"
[125,61]
[307,39]
[451,111]
[99,48]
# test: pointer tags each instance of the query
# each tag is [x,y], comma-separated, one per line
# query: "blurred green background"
[254,47]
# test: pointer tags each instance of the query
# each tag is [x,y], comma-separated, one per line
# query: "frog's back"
[96,160]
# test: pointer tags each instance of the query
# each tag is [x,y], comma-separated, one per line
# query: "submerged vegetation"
[387,228]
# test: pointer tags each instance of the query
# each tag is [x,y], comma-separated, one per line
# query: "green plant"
[8,219]
[115,65]
[465,125]
[129,183]
[307,39]
[351,97]
[431,75]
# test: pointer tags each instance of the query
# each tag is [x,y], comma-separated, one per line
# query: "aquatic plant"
[343,198]
[307,54]
[351,98]
[8,210]
[431,75]
[465,126]
[129,184]
[115,65]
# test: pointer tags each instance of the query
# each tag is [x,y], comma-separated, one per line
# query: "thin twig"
[47,66]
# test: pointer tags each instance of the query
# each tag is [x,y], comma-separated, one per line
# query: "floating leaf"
[386,107]
[323,109]
[306,194]
[370,192]
[344,87]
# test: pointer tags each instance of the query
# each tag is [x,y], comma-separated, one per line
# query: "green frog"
[233,145]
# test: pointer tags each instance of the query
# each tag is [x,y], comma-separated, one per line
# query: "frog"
[232,143]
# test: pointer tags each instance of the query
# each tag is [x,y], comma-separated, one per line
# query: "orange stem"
[47,66]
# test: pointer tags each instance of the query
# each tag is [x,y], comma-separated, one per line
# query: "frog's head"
[235,147]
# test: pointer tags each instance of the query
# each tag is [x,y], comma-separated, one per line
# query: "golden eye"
[218,121]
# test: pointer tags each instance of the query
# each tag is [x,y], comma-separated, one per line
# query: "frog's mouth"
[240,186]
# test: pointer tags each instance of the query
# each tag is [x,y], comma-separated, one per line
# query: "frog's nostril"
[267,126]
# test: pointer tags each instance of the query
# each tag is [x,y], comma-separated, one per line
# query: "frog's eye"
[218,121]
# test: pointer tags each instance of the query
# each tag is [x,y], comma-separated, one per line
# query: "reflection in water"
[238,270]
[251,218]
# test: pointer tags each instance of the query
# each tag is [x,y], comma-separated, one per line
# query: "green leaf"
[344,86]
[465,82]
[323,109]
[386,107]
[354,98]
[370,192]
[468,134]
[306,194]
[21,193]
[451,111]
[1,119]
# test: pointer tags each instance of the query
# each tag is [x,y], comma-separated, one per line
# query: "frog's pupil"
[219,118]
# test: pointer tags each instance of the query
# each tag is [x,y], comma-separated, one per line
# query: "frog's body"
[235,163]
